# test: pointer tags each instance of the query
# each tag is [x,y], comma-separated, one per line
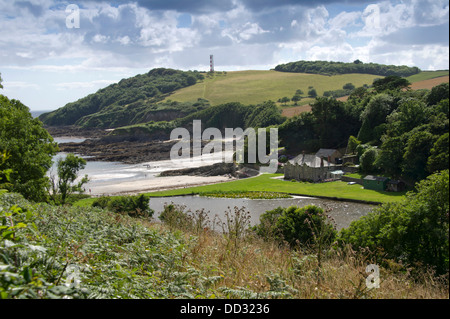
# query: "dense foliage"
[236,115]
[332,68]
[133,100]
[328,125]
[137,205]
[29,149]
[405,131]
[306,226]
[66,252]
[414,231]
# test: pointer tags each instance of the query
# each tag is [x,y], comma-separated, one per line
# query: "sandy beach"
[156,184]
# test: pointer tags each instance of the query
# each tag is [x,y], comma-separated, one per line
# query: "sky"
[54,52]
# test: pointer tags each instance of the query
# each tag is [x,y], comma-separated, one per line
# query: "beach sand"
[156,184]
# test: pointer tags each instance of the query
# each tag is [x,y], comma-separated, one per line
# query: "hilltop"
[253,87]
[164,95]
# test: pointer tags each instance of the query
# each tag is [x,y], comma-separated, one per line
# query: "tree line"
[333,68]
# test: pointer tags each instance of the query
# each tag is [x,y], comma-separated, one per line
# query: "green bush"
[308,226]
[414,231]
[132,205]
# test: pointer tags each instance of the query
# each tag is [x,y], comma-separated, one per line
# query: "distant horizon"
[41,111]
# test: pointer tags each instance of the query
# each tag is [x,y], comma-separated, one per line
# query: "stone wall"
[305,173]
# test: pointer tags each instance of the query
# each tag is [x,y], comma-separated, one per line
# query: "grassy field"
[252,87]
[427,75]
[271,183]
[268,183]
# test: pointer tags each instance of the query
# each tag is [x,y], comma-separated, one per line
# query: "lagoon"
[342,212]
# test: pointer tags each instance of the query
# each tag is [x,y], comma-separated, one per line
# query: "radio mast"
[211,63]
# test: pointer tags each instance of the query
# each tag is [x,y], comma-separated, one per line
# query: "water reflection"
[342,212]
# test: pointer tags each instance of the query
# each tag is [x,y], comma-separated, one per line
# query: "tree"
[285,100]
[349,86]
[1,86]
[375,113]
[438,93]
[67,174]
[352,144]
[414,231]
[390,156]
[334,123]
[367,160]
[296,98]
[391,82]
[438,159]
[312,93]
[30,148]
[417,151]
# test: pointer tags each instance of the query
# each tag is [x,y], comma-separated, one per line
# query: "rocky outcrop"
[120,151]
[211,170]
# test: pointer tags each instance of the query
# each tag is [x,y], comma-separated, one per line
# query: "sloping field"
[253,87]
[429,84]
[427,75]
[423,84]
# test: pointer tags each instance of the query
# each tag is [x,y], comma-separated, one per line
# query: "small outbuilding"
[396,186]
[377,183]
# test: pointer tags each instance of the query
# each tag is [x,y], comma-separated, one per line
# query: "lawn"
[252,87]
[267,183]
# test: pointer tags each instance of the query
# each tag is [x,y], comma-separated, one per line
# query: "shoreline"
[157,184]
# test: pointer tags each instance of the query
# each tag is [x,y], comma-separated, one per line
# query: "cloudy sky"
[49,58]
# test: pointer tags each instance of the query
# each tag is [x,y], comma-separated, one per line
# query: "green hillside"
[131,101]
[427,75]
[253,87]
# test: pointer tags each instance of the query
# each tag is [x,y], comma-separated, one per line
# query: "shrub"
[367,160]
[132,205]
[414,231]
[307,225]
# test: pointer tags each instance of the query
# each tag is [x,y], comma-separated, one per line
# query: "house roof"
[376,178]
[324,152]
[310,160]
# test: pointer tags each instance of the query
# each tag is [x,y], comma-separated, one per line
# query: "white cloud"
[83,85]
[130,36]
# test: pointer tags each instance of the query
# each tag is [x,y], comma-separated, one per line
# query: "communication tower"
[211,63]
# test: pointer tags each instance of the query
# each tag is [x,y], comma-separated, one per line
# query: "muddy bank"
[75,131]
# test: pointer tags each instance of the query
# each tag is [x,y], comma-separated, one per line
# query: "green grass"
[356,175]
[427,75]
[252,87]
[249,195]
[266,183]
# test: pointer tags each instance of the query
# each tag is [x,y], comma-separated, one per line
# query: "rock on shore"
[211,170]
